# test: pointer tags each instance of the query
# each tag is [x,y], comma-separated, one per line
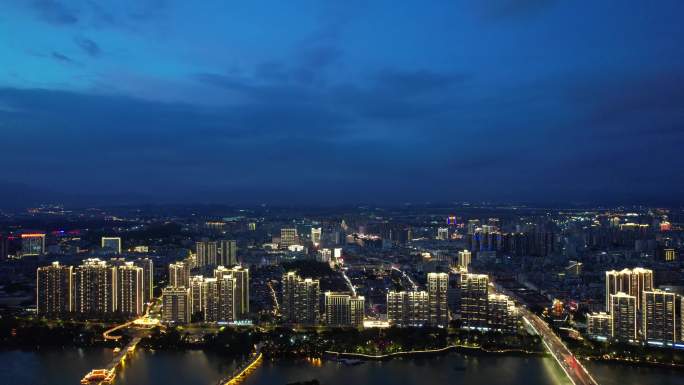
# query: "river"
[67,366]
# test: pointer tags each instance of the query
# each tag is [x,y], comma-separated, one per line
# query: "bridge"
[107,375]
[572,368]
[243,370]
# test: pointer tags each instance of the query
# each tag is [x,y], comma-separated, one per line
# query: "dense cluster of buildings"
[636,311]
[218,293]
[301,304]
[94,289]
[478,308]
[202,289]
[561,256]
[210,254]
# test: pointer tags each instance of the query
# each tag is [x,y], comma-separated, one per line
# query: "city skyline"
[318,192]
[575,288]
[328,103]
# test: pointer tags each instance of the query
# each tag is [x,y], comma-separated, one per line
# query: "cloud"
[354,141]
[222,81]
[312,62]
[319,57]
[61,57]
[393,94]
[621,105]
[88,46]
[175,143]
[416,81]
[54,12]
[128,15]
[387,94]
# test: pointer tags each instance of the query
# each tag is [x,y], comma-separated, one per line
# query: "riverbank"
[431,352]
[632,363]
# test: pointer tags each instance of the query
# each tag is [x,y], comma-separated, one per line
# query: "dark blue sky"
[343,101]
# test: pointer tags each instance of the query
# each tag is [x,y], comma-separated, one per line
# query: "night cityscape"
[328,193]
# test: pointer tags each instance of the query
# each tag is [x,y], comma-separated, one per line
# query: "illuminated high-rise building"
[443,233]
[228,249]
[94,288]
[288,237]
[129,289]
[176,305]
[227,299]
[438,285]
[681,319]
[219,299]
[408,308]
[324,255]
[337,255]
[357,309]
[207,253]
[111,244]
[210,299]
[474,298]
[599,325]
[179,274]
[502,314]
[473,224]
[241,276]
[670,255]
[307,294]
[300,299]
[614,285]
[196,293]
[658,316]
[337,309]
[289,289]
[316,236]
[464,259]
[241,296]
[344,310]
[623,308]
[631,281]
[221,271]
[148,277]
[54,290]
[32,244]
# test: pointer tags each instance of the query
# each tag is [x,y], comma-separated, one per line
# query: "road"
[144,321]
[414,287]
[274,296]
[574,370]
[348,281]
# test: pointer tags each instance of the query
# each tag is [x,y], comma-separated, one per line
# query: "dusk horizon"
[329,103]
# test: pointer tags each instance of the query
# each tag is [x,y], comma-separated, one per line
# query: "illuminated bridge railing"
[243,370]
